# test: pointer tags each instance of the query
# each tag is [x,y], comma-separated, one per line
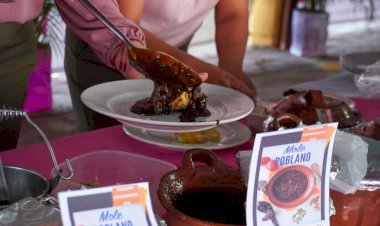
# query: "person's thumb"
[203,76]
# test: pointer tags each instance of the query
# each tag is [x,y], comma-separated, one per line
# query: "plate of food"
[309,108]
[129,101]
[219,137]
[328,98]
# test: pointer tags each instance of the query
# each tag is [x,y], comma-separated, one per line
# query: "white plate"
[357,63]
[114,99]
[233,134]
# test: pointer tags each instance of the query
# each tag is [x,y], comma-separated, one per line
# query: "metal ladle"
[8,113]
[155,65]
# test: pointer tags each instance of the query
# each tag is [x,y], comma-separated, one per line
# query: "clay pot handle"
[204,156]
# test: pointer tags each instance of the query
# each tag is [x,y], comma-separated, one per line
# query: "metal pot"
[24,183]
[203,191]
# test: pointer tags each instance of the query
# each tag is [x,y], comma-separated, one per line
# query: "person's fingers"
[132,73]
[246,90]
[203,76]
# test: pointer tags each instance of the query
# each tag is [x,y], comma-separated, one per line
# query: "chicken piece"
[286,104]
[315,99]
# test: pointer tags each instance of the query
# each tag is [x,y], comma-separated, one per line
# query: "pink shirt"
[20,11]
[86,26]
[175,21]
[102,41]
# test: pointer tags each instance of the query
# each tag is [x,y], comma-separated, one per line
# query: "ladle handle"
[9,113]
[56,166]
[98,14]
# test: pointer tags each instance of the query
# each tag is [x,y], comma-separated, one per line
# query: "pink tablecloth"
[37,158]
[370,108]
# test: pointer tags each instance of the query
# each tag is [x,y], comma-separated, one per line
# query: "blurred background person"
[18,54]
[18,48]
[169,26]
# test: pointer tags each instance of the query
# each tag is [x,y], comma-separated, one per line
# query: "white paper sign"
[289,177]
[122,205]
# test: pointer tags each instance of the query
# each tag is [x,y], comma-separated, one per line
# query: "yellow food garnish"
[92,184]
[181,102]
[209,135]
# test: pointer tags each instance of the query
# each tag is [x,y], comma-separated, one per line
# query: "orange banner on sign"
[129,195]
[317,133]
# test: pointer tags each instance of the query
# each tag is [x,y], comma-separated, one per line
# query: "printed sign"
[122,205]
[289,177]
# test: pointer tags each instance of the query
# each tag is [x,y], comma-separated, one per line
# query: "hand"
[132,73]
[240,75]
[220,77]
[203,76]
[121,58]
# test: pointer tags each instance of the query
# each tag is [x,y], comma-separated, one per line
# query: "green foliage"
[49,28]
[314,5]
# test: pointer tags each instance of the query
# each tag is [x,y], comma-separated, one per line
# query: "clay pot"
[293,176]
[203,191]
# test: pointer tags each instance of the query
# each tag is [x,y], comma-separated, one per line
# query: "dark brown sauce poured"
[161,67]
[171,78]
[218,205]
[145,107]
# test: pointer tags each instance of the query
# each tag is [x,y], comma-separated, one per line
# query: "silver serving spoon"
[154,64]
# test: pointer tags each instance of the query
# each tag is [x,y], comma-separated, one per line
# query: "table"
[36,157]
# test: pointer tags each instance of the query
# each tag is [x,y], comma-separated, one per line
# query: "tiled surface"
[272,70]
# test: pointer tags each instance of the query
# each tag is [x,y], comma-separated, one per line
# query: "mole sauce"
[290,185]
[143,107]
[163,95]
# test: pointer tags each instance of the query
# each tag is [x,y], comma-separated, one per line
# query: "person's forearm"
[132,9]
[92,31]
[231,36]
[231,47]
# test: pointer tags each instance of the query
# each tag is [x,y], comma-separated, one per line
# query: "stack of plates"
[232,134]
[114,99]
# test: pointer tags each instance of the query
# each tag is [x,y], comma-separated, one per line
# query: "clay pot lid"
[291,172]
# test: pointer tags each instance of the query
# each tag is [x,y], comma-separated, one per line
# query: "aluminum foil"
[371,181]
[332,209]
[30,211]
